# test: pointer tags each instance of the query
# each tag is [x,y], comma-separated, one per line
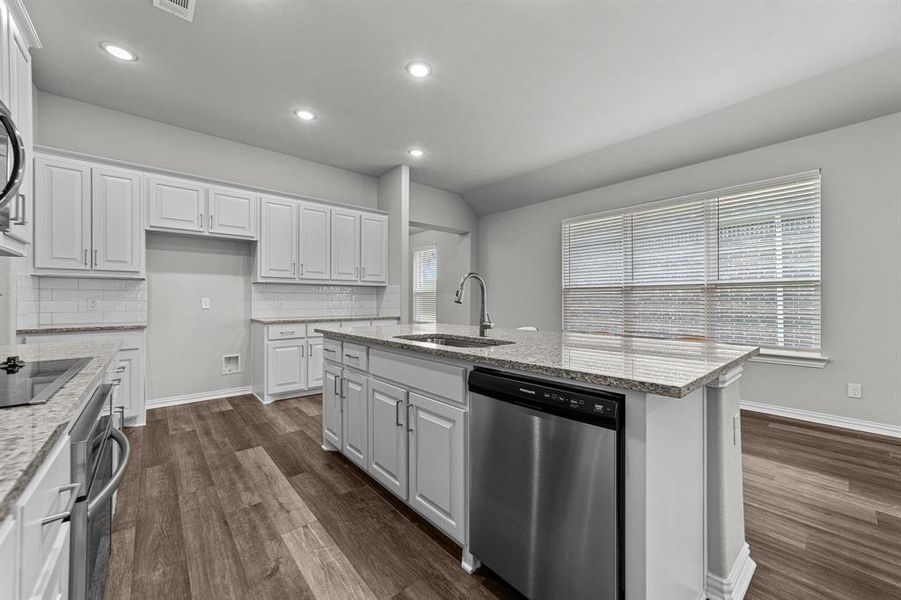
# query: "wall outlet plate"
[204,303]
[93,304]
[231,363]
[855,390]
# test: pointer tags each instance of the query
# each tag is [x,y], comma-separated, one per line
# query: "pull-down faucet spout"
[484,320]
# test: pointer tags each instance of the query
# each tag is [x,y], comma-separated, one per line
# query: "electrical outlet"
[855,390]
[93,304]
[204,304]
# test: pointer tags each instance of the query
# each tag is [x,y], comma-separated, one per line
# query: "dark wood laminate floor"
[822,511]
[230,499]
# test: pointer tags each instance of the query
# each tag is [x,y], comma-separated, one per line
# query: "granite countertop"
[286,320]
[28,433]
[82,328]
[666,367]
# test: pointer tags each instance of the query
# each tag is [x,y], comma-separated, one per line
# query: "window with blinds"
[425,285]
[740,265]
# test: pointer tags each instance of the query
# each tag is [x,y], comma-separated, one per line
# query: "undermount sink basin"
[454,341]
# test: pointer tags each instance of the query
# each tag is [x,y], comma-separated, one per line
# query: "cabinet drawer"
[356,356]
[331,350]
[287,331]
[438,379]
[48,494]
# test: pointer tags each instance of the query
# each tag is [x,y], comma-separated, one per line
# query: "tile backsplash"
[72,300]
[287,300]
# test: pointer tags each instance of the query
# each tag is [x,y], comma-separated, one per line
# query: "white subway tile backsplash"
[284,300]
[65,301]
[102,284]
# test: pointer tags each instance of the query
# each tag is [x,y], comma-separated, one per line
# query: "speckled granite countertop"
[286,320]
[82,328]
[28,433]
[666,367]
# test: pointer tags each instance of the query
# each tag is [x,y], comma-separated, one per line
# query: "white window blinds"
[425,279]
[740,265]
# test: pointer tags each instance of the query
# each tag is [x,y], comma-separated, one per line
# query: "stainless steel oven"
[99,474]
[12,171]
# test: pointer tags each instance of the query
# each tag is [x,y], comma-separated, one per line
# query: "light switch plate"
[204,304]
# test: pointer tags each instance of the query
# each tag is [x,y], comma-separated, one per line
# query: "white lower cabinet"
[332,425]
[356,416]
[287,366]
[314,362]
[9,557]
[388,436]
[436,433]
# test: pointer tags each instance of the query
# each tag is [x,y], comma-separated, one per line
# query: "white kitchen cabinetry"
[315,241]
[345,245]
[232,212]
[436,463]
[277,248]
[9,557]
[356,416]
[373,248]
[175,204]
[332,406]
[388,436]
[19,101]
[287,366]
[314,363]
[88,219]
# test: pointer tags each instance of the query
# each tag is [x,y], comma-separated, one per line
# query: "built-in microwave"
[12,171]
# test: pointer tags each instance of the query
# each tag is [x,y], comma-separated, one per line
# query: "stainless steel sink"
[454,341]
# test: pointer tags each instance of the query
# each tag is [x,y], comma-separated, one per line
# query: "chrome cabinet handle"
[85,257]
[211,221]
[409,421]
[397,413]
[120,370]
[302,348]
[343,387]
[117,381]
[301,269]
[337,393]
[113,483]
[20,212]
[72,488]
[200,220]
[352,356]
[292,268]
[95,257]
[363,270]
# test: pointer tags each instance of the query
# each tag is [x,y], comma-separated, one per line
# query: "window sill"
[794,359]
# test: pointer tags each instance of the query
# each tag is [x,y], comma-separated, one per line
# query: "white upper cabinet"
[277,249]
[315,241]
[117,233]
[88,218]
[373,248]
[19,101]
[175,204]
[62,215]
[345,245]
[232,212]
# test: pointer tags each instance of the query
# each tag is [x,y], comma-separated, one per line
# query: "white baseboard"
[736,584]
[200,397]
[893,431]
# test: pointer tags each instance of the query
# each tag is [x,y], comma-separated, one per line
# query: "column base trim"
[735,586]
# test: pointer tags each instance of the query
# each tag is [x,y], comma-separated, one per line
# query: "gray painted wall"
[454,261]
[81,127]
[184,343]
[394,197]
[520,254]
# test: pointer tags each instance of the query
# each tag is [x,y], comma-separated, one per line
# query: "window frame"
[413,252]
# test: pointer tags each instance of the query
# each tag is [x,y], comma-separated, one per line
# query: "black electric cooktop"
[33,382]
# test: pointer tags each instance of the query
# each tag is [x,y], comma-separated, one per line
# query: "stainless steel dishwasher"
[546,500]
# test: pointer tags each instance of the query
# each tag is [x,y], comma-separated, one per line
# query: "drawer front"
[438,379]
[48,494]
[355,356]
[331,350]
[287,331]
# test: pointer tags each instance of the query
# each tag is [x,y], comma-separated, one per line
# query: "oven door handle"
[113,484]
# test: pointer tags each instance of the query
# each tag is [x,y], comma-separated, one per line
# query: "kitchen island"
[400,409]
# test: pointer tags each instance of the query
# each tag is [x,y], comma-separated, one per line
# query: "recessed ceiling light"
[416,153]
[118,51]
[419,69]
[304,114]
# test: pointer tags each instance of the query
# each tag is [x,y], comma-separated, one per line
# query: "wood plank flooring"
[822,511]
[230,499]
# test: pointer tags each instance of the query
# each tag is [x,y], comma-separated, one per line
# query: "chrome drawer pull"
[113,483]
[72,488]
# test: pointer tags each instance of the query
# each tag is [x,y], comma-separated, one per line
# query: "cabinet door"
[315,241]
[62,214]
[436,463]
[388,436]
[345,245]
[356,427]
[287,366]
[128,393]
[232,213]
[175,204]
[332,422]
[9,555]
[314,363]
[278,238]
[20,107]
[118,231]
[373,248]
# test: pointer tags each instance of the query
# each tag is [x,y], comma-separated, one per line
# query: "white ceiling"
[517,85]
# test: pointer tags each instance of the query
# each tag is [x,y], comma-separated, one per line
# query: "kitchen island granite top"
[666,367]
[28,433]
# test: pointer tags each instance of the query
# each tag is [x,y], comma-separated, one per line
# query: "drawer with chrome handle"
[355,356]
[331,350]
[287,331]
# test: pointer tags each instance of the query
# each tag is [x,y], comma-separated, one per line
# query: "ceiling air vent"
[180,8]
